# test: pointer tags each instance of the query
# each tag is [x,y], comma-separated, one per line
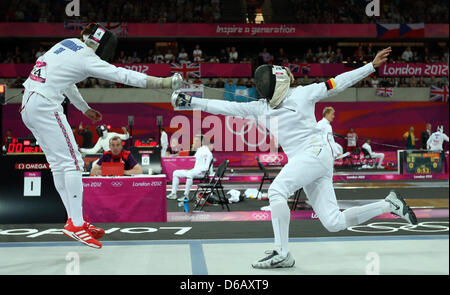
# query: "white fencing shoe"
[400,208]
[274,260]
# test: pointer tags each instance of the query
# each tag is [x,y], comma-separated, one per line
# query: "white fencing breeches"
[54,135]
[189,175]
[379,157]
[49,126]
[313,170]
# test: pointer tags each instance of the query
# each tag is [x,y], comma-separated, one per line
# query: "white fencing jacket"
[436,140]
[69,62]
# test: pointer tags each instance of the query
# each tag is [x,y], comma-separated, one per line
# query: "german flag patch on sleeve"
[330,84]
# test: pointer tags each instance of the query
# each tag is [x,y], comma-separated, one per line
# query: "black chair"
[265,176]
[205,177]
[367,157]
[213,186]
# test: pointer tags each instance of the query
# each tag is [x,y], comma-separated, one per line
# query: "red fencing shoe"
[81,234]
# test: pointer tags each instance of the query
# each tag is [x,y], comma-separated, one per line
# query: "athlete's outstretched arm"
[319,91]
[217,107]
[98,68]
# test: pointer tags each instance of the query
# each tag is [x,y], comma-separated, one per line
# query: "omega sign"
[31,166]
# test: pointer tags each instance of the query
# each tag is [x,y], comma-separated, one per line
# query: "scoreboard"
[423,162]
[20,146]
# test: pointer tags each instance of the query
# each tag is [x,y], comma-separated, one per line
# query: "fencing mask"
[101,130]
[440,128]
[103,41]
[272,83]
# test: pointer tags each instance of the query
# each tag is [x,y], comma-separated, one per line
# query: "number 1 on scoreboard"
[32,184]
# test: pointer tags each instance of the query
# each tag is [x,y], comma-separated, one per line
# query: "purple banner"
[413,69]
[125,199]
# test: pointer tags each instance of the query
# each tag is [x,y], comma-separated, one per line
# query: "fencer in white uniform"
[378,157]
[102,143]
[436,140]
[53,77]
[203,158]
[310,160]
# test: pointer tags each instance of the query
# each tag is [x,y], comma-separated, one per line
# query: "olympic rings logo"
[117,183]
[391,227]
[272,158]
[246,127]
[261,216]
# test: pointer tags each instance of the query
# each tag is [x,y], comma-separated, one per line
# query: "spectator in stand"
[197,81]
[158,58]
[374,81]
[210,83]
[240,82]
[8,137]
[249,83]
[233,57]
[352,139]
[309,55]
[149,57]
[359,54]
[223,57]
[407,55]
[183,56]
[415,57]
[412,82]
[281,57]
[220,83]
[410,139]
[197,54]
[135,58]
[122,57]
[422,82]
[402,82]
[214,59]
[433,81]
[168,56]
[425,136]
[40,52]
[339,57]
[264,56]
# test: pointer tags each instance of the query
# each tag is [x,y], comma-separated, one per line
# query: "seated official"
[376,156]
[117,154]
[203,158]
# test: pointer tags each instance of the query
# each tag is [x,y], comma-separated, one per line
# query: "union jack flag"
[386,92]
[187,70]
[439,94]
[75,25]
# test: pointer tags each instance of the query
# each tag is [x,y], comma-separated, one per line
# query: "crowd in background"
[305,53]
[207,11]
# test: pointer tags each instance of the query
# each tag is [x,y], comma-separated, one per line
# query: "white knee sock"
[189,182]
[280,223]
[60,184]
[360,214]
[74,188]
[175,182]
